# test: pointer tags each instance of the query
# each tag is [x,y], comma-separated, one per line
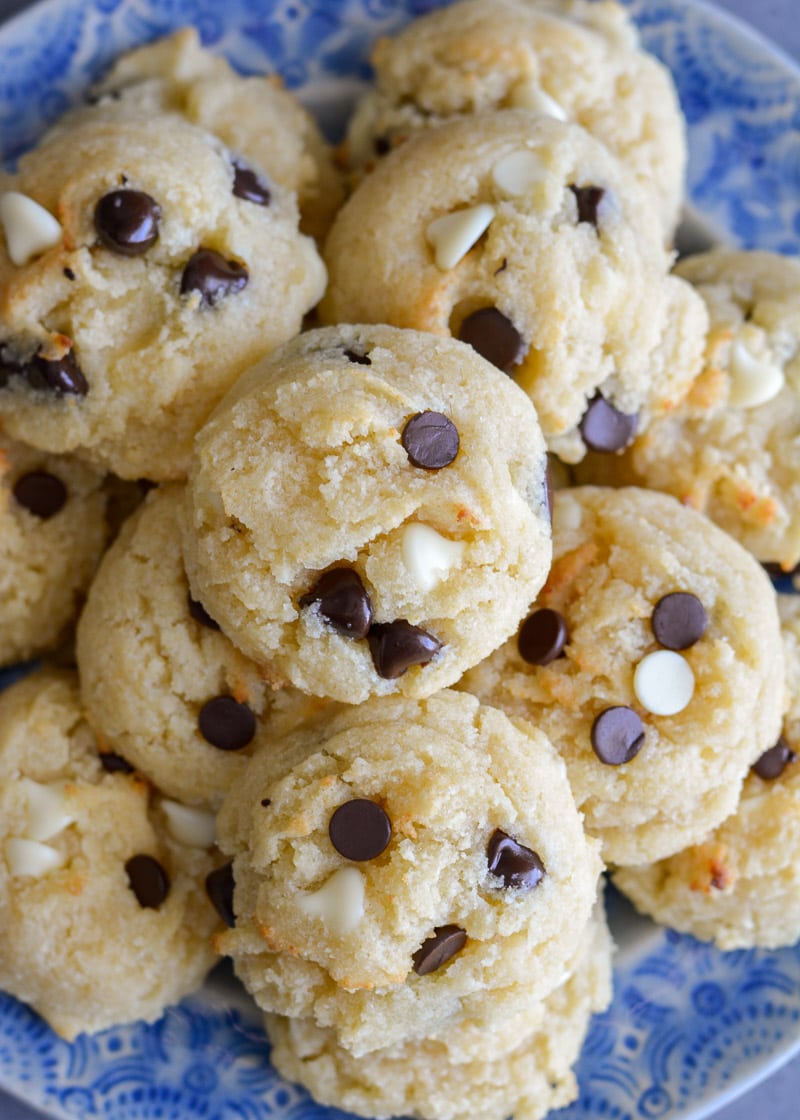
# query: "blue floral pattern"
[687,1023]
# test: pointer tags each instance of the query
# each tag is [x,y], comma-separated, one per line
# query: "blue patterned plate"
[689,1026]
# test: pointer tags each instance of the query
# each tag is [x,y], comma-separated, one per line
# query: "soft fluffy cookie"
[433,1079]
[103,912]
[653,660]
[135,285]
[731,448]
[368,512]
[420,862]
[525,237]
[740,886]
[52,533]
[567,59]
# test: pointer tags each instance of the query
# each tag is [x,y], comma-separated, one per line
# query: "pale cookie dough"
[379,843]
[526,237]
[52,533]
[732,449]
[157,288]
[87,937]
[162,686]
[432,1079]
[657,706]
[568,59]
[368,512]
[740,886]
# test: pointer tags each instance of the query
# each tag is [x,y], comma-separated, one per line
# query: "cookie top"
[526,238]
[419,862]
[653,660]
[103,912]
[568,59]
[368,511]
[155,287]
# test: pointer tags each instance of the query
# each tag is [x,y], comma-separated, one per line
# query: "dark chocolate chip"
[516,865]
[679,620]
[360,829]
[494,337]
[396,646]
[70,275]
[617,735]
[266,802]
[606,429]
[219,888]
[248,185]
[208,273]
[62,376]
[774,761]
[542,637]
[148,880]
[588,199]
[430,440]
[227,724]
[115,763]
[40,493]
[382,145]
[343,602]
[127,222]
[200,614]
[361,359]
[438,949]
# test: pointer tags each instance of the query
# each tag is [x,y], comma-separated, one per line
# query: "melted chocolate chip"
[219,888]
[360,359]
[396,646]
[542,637]
[40,493]
[679,620]
[343,602]
[115,763]
[516,865]
[606,429]
[148,880]
[494,337]
[227,724]
[617,735]
[208,273]
[774,761]
[200,614]
[248,185]
[588,200]
[127,222]
[360,829]
[430,440]
[438,949]
[62,376]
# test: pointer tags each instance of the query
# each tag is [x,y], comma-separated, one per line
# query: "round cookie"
[52,533]
[162,685]
[653,660]
[525,237]
[568,59]
[731,448]
[103,913]
[157,286]
[404,865]
[740,886]
[368,512]
[433,1080]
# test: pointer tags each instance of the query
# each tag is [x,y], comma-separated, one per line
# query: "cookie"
[53,530]
[420,862]
[368,512]
[567,59]
[730,449]
[653,660]
[104,917]
[526,238]
[154,286]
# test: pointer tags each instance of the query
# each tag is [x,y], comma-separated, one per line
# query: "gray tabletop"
[777,1097]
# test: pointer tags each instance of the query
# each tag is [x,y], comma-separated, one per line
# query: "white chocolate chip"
[29,229]
[452,236]
[428,555]
[339,902]
[518,172]
[663,682]
[29,857]
[47,809]
[754,380]
[196,828]
[530,95]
